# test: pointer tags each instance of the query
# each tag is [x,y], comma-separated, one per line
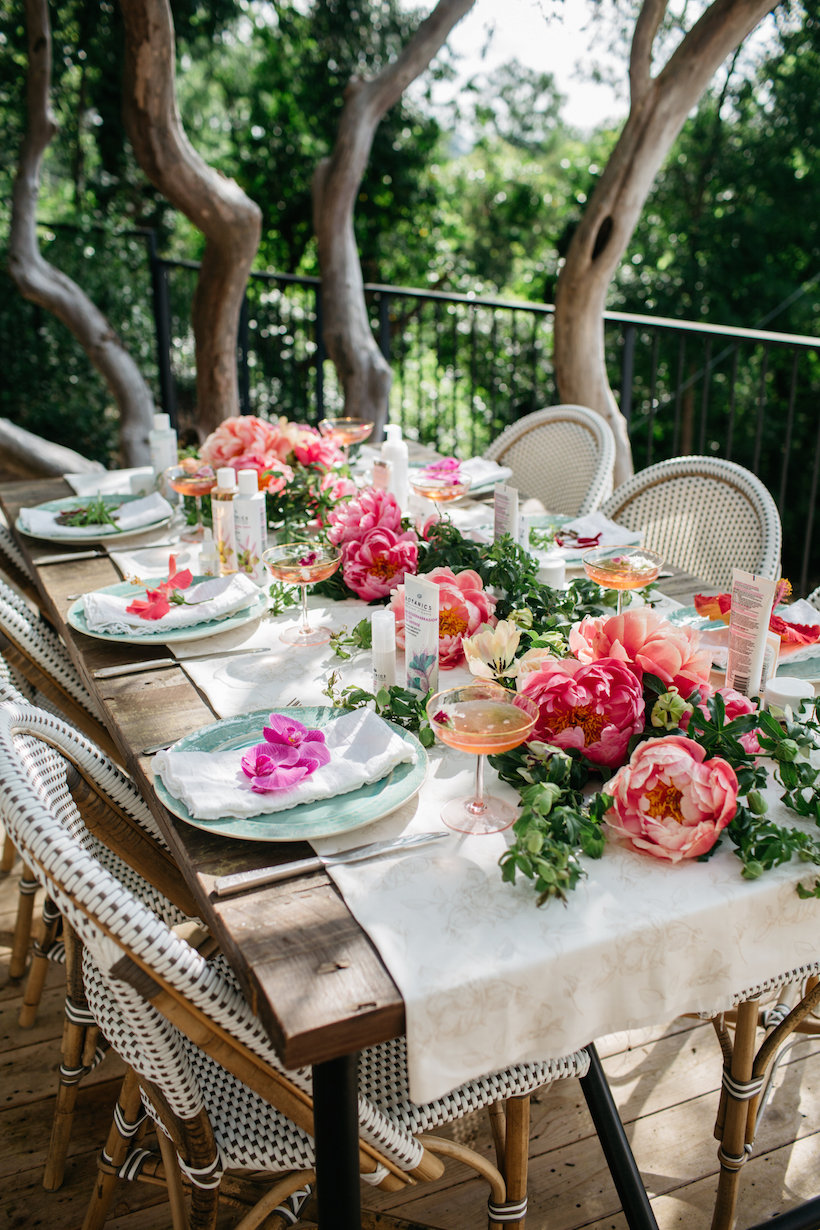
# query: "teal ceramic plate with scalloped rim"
[89,534]
[257,606]
[807,668]
[323,818]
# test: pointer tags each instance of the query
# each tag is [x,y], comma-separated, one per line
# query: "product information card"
[421,601]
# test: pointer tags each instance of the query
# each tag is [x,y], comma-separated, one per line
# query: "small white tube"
[383,642]
[752,599]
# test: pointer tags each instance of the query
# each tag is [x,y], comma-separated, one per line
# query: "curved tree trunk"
[659,106]
[41,282]
[363,371]
[229,220]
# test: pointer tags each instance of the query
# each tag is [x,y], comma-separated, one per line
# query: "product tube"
[421,603]
[752,600]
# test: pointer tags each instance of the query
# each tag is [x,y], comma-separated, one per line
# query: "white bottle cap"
[226,478]
[248,482]
[383,630]
[162,422]
[784,690]
[393,431]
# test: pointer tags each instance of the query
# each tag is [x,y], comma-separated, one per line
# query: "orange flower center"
[664,802]
[590,722]
[382,567]
[451,623]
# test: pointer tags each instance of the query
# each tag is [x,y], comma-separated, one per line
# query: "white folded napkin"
[107,482]
[218,596]
[482,472]
[610,534]
[363,749]
[129,516]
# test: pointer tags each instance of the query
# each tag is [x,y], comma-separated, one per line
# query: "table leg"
[336,1134]
[618,1154]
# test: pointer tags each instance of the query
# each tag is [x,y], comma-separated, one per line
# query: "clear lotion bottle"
[222,498]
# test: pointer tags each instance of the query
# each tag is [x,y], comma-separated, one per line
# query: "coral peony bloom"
[313,449]
[376,561]
[647,642]
[245,435]
[276,476]
[671,802]
[595,707]
[370,509]
[490,652]
[464,605]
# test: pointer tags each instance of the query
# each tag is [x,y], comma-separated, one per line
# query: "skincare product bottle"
[222,498]
[395,451]
[421,610]
[208,555]
[251,526]
[380,478]
[162,442]
[383,642]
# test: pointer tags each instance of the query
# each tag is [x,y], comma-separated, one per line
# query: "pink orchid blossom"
[291,752]
[669,801]
[594,707]
[646,642]
[378,560]
[464,605]
[372,508]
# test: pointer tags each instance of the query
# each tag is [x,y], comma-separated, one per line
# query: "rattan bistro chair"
[563,456]
[814,597]
[704,515]
[204,1070]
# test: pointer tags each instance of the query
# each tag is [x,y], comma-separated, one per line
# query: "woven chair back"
[563,456]
[703,515]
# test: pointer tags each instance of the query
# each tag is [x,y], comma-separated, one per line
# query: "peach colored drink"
[483,726]
[193,485]
[294,572]
[440,490]
[627,574]
[302,564]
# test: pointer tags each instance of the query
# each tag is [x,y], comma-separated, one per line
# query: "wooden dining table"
[309,970]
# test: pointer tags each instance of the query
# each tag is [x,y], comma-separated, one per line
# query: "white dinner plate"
[257,607]
[89,533]
[322,818]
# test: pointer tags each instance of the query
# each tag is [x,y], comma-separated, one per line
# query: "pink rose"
[372,508]
[376,562]
[464,605]
[595,707]
[671,802]
[246,435]
[647,642]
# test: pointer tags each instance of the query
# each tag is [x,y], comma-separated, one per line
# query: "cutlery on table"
[65,557]
[158,664]
[225,886]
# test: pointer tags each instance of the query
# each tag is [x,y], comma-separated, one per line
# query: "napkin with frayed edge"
[131,515]
[589,526]
[212,599]
[363,749]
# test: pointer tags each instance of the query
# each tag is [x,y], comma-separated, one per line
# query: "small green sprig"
[95,512]
[282,597]
[397,704]
[345,644]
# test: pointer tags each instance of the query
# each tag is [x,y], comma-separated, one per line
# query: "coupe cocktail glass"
[302,564]
[193,478]
[345,432]
[440,488]
[481,718]
[622,568]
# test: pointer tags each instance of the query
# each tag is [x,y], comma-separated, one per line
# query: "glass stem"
[620,602]
[477,806]
[198,506]
[305,621]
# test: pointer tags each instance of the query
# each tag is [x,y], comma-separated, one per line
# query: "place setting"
[95,518]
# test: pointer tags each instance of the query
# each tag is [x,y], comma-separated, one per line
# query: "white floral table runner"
[489,979]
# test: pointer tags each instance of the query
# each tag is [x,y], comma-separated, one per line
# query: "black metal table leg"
[618,1154]
[336,1133]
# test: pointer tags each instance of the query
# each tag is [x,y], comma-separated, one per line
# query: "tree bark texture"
[659,106]
[362,369]
[217,206]
[45,285]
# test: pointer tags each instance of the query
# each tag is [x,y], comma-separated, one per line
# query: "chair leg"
[129,1116]
[43,949]
[9,854]
[173,1180]
[22,926]
[512,1148]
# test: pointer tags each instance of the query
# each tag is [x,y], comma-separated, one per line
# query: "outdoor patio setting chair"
[562,456]
[203,1068]
[704,515]
[128,838]
[814,597]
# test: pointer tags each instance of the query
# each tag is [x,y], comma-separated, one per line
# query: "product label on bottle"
[505,512]
[421,603]
[224,534]
[251,529]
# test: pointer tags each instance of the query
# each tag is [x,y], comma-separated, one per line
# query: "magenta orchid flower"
[291,752]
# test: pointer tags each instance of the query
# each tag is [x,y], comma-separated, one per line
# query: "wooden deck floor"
[665,1083]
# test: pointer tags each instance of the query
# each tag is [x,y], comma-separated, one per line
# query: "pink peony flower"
[595,707]
[245,435]
[313,449]
[464,605]
[671,802]
[376,562]
[276,477]
[646,642]
[339,487]
[372,508]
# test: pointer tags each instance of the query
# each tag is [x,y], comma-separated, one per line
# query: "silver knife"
[243,880]
[66,557]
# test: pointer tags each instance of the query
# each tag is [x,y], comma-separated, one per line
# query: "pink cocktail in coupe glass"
[346,431]
[622,568]
[482,718]
[303,564]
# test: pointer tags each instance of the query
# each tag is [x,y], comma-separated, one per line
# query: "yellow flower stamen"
[451,623]
[591,723]
[664,802]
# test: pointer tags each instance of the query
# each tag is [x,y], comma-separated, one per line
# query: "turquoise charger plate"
[193,632]
[322,818]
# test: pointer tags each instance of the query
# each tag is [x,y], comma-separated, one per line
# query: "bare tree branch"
[363,372]
[42,283]
[229,220]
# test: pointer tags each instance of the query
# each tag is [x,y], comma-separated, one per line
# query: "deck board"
[664,1081]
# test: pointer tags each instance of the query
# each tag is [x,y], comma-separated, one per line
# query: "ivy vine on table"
[561,818]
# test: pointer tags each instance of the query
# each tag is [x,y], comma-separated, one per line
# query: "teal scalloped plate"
[194,632]
[94,533]
[323,818]
[804,668]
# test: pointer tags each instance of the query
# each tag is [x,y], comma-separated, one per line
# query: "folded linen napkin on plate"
[593,529]
[211,599]
[108,482]
[484,473]
[363,749]
[129,516]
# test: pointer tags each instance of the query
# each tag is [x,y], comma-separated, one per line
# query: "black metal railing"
[464,367]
